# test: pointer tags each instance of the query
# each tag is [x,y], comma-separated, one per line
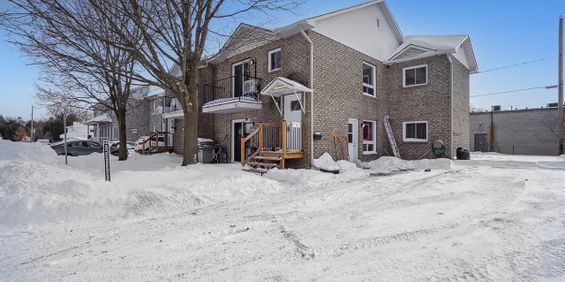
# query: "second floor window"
[369,80]
[275,60]
[414,76]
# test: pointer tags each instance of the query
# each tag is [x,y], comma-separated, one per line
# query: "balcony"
[231,95]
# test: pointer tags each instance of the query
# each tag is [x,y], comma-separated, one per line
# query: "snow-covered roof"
[103,118]
[421,46]
[155,91]
[383,38]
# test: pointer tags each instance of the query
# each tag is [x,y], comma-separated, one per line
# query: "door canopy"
[282,86]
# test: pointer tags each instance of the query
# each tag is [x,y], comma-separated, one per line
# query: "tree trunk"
[123,149]
[190,128]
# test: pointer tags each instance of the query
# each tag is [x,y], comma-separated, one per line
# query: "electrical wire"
[517,65]
[511,91]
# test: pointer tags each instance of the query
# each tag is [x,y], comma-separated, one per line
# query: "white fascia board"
[421,56]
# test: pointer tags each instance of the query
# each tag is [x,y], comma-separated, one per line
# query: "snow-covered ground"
[494,218]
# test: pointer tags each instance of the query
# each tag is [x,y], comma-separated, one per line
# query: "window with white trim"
[369,137]
[415,131]
[415,76]
[369,80]
[275,60]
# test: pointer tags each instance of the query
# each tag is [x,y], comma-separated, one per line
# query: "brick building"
[339,74]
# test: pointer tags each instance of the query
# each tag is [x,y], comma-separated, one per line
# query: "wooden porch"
[270,145]
[157,143]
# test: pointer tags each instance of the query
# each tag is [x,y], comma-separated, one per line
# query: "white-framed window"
[415,131]
[115,132]
[275,60]
[369,80]
[369,137]
[415,76]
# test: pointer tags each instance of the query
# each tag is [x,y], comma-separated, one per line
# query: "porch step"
[262,165]
[275,159]
[257,170]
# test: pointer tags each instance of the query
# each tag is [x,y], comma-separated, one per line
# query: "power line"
[513,91]
[517,65]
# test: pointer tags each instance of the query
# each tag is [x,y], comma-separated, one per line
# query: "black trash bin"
[463,154]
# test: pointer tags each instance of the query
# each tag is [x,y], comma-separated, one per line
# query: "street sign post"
[107,160]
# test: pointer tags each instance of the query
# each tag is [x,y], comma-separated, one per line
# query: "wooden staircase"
[270,145]
[151,145]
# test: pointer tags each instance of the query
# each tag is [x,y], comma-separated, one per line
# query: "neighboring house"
[143,116]
[343,71]
[77,130]
[524,132]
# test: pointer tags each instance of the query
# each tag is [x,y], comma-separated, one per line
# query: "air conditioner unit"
[250,86]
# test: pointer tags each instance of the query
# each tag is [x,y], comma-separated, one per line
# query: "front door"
[292,109]
[293,117]
[353,139]
[481,142]
[239,130]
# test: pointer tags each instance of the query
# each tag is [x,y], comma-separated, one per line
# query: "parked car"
[115,148]
[139,143]
[77,148]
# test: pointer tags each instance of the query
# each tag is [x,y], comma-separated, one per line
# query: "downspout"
[311,94]
[451,100]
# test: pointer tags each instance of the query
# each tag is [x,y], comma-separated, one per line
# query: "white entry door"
[353,139]
[293,116]
[292,109]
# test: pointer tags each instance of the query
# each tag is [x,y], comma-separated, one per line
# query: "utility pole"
[32,129]
[65,127]
[560,86]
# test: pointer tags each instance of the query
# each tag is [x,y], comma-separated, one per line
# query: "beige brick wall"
[338,96]
[338,84]
[295,65]
[461,107]
[430,102]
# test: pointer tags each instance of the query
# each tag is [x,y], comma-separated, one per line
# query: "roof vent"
[552,105]
[495,108]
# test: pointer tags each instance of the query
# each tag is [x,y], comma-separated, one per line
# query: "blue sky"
[503,32]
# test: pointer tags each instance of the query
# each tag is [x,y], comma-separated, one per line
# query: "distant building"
[524,132]
[77,130]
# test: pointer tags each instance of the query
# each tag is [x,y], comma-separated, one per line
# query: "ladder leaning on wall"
[390,136]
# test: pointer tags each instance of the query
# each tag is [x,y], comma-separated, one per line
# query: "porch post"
[283,142]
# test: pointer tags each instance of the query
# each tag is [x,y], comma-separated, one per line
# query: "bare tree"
[176,32]
[72,42]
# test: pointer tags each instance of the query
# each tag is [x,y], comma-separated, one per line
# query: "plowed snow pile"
[36,187]
[391,164]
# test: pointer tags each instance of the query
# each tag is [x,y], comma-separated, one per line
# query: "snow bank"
[37,188]
[14,151]
[325,162]
[390,164]
[314,178]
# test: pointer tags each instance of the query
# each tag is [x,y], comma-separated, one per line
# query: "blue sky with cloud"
[503,32]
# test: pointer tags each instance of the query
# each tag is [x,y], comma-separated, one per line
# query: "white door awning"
[282,86]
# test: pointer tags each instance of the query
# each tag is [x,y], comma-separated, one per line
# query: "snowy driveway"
[474,222]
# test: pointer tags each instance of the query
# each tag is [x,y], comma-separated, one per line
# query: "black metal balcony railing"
[242,86]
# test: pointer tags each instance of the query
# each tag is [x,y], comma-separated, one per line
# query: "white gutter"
[451,114]
[311,94]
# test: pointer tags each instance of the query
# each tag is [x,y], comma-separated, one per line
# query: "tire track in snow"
[375,242]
